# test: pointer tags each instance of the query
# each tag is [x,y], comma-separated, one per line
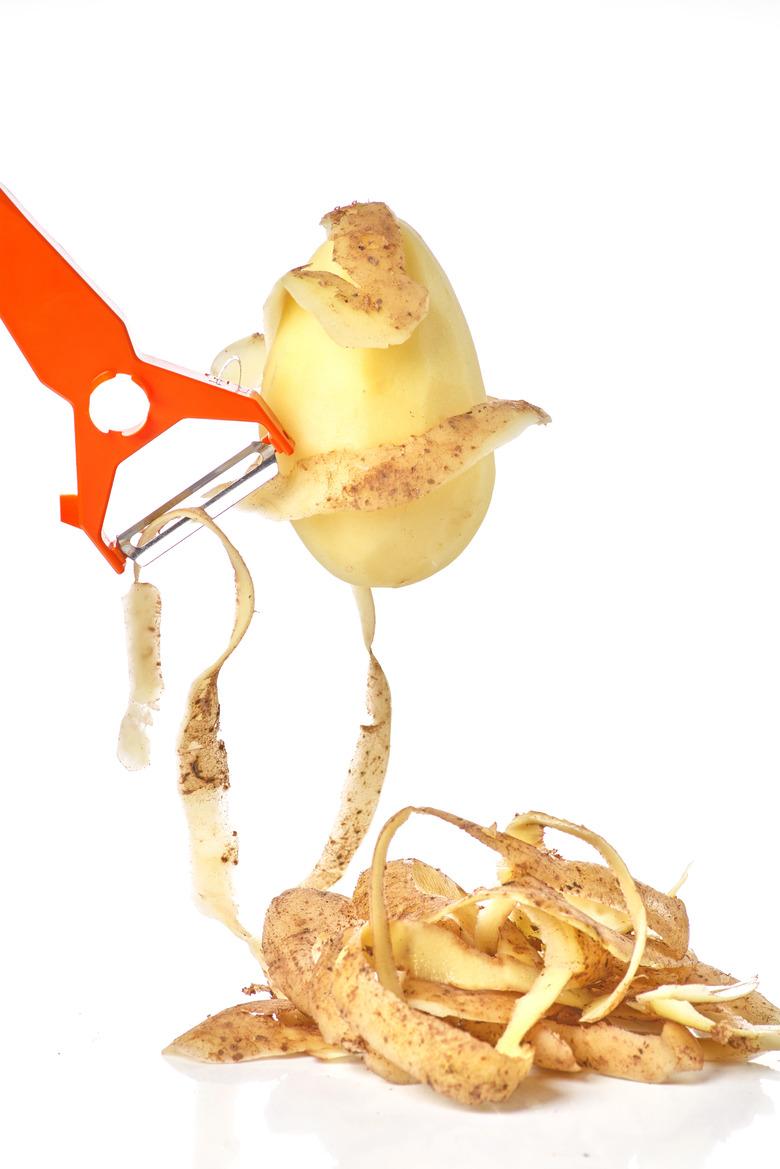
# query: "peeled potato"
[353,364]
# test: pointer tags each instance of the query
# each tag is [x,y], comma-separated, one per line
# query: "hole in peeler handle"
[119,404]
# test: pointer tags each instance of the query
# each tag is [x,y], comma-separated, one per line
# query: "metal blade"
[261,466]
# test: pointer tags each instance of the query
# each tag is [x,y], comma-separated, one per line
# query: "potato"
[348,389]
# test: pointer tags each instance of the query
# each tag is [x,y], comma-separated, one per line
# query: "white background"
[601,181]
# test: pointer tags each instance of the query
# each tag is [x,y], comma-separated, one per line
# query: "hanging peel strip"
[142,609]
[204,776]
[367,771]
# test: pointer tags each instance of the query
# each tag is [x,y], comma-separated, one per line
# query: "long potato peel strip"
[591,887]
[367,771]
[602,1005]
[561,959]
[203,766]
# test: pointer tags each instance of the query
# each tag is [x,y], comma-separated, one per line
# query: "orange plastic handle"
[74,341]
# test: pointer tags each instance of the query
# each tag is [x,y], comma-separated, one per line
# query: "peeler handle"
[74,340]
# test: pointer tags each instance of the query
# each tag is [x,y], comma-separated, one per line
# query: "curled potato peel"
[364,298]
[399,976]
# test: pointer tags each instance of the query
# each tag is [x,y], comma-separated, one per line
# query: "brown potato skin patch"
[248,1031]
[377,304]
[203,761]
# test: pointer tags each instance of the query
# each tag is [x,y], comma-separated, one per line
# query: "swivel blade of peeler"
[247,470]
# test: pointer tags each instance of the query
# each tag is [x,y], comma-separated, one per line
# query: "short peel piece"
[255,1030]
[614,1051]
[720,1022]
[142,607]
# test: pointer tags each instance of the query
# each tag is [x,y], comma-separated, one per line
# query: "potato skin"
[329,397]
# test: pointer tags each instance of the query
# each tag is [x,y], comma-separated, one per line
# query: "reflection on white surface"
[216,1142]
[343,1116]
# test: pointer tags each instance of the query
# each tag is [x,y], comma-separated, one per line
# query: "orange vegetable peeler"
[74,341]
